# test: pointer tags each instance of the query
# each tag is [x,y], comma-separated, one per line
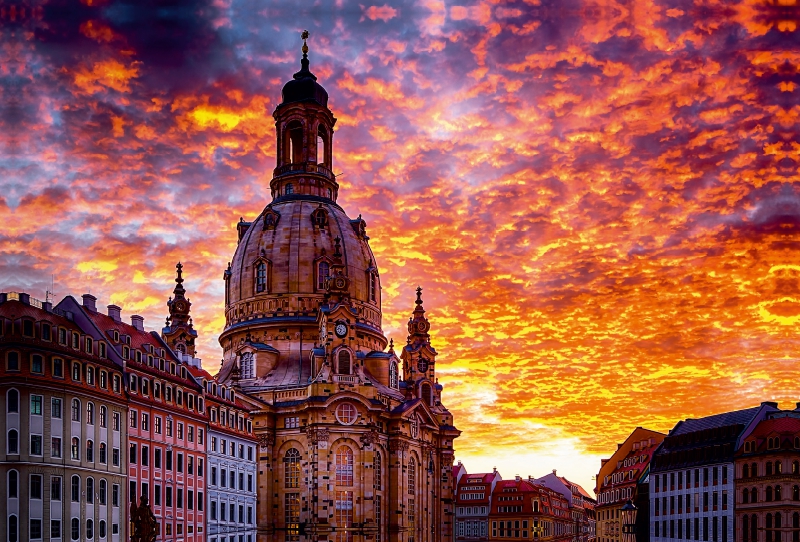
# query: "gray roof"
[736,417]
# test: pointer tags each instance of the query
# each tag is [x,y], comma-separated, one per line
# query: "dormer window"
[319,218]
[115,334]
[261,277]
[323,272]
[27,328]
[247,365]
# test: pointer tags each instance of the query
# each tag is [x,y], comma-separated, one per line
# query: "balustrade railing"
[304,167]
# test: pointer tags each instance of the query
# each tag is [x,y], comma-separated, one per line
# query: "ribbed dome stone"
[293,248]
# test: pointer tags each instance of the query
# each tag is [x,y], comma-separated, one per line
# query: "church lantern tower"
[179,332]
[304,126]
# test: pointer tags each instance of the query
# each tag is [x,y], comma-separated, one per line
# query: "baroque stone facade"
[354,440]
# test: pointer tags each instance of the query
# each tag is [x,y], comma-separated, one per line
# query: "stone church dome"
[301,250]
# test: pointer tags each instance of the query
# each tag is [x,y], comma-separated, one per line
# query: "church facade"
[353,441]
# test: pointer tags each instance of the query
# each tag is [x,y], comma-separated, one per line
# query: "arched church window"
[343,365]
[294,143]
[291,462]
[427,393]
[393,375]
[289,189]
[322,142]
[261,277]
[323,272]
[378,468]
[412,476]
[344,466]
[248,370]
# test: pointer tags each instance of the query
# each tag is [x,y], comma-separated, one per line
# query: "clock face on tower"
[180,306]
[340,329]
[422,365]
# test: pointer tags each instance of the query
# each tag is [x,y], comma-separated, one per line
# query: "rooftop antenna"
[50,293]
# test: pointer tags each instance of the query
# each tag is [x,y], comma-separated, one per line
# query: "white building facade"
[692,477]
[232,475]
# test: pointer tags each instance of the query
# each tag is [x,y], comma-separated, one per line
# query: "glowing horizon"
[600,200]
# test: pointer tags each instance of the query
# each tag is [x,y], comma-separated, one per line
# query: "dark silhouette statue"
[144,527]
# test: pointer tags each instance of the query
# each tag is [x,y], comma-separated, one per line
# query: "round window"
[346,414]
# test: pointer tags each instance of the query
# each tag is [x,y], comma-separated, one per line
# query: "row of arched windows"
[751,470]
[293,145]
[344,469]
[770,494]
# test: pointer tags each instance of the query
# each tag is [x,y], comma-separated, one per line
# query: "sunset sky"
[600,199]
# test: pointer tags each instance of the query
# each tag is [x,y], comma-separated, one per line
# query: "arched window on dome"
[427,393]
[343,362]
[291,462]
[322,146]
[289,189]
[393,375]
[261,277]
[319,218]
[323,272]
[372,281]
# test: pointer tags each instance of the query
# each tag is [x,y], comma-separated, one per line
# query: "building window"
[102,416]
[76,410]
[247,363]
[344,466]
[37,364]
[343,516]
[12,444]
[412,476]
[343,365]
[90,413]
[376,465]
[346,413]
[292,465]
[75,449]
[12,362]
[12,401]
[75,489]
[261,277]
[58,368]
[289,189]
[323,272]
[393,375]
[13,484]
[13,529]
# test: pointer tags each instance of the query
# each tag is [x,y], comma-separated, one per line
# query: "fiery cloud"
[601,199]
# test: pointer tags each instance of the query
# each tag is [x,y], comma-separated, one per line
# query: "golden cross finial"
[304,35]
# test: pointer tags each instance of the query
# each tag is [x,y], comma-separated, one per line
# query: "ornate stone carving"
[266,440]
[317,436]
[369,438]
[398,446]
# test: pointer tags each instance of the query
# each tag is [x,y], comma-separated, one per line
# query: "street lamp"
[628,517]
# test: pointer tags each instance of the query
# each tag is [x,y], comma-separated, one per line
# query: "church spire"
[418,325]
[179,331]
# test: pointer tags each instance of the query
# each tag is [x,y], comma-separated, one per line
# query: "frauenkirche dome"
[278,277]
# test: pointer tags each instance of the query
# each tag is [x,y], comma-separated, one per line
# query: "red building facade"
[166,425]
[767,481]
[524,510]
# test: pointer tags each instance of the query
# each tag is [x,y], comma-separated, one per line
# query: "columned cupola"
[304,126]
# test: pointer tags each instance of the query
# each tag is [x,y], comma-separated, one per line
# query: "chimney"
[554,472]
[48,306]
[137,322]
[115,313]
[517,478]
[89,301]
[773,404]
[798,406]
[24,298]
